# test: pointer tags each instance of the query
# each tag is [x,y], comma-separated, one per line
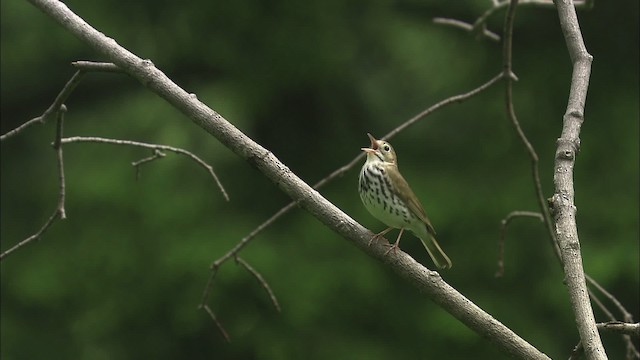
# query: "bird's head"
[380,150]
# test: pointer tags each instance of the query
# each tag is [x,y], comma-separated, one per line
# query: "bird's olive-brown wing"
[404,192]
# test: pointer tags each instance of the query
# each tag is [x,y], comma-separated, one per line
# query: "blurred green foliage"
[121,278]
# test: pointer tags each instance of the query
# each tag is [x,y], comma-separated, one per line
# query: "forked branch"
[52,110]
[155,148]
[59,212]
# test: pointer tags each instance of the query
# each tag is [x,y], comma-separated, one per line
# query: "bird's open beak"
[374,145]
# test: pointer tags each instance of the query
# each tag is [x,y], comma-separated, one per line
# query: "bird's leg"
[379,235]
[395,246]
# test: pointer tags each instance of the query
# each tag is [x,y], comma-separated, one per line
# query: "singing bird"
[388,197]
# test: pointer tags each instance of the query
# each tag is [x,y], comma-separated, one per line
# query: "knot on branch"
[257,156]
[559,203]
[567,148]
[551,206]
[147,63]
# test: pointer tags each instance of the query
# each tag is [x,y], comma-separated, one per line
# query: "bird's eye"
[386,147]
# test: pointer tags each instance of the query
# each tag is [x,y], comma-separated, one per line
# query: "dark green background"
[121,278]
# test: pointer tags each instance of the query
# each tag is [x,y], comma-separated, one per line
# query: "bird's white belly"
[384,205]
[383,214]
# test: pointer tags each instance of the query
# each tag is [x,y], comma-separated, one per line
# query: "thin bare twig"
[59,212]
[453,99]
[626,315]
[203,305]
[632,351]
[485,33]
[79,139]
[57,145]
[156,155]
[596,300]
[428,111]
[234,251]
[242,243]
[577,351]
[479,27]
[208,287]
[261,280]
[53,109]
[97,66]
[58,108]
[620,327]
[499,5]
[507,67]
[217,322]
[503,234]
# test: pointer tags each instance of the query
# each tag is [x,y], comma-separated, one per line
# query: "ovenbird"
[388,197]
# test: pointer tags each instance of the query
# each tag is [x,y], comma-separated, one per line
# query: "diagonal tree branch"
[632,352]
[348,166]
[217,322]
[562,202]
[429,282]
[261,280]
[53,109]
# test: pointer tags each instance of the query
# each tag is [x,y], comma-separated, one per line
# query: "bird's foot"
[378,235]
[393,247]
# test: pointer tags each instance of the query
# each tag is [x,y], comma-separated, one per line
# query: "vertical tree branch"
[59,212]
[57,145]
[562,202]
[535,171]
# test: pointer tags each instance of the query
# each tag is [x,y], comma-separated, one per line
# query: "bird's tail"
[438,256]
